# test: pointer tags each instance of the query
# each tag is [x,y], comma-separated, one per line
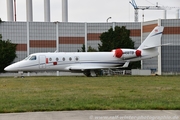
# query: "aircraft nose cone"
[8,68]
[13,67]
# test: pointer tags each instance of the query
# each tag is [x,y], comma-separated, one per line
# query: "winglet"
[126,64]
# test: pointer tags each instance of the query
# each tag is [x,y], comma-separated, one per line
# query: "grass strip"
[84,93]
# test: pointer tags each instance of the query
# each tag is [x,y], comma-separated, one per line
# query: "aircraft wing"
[83,68]
[80,68]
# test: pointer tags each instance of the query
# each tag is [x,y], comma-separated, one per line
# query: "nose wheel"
[21,74]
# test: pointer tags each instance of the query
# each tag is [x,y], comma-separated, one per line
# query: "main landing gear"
[90,73]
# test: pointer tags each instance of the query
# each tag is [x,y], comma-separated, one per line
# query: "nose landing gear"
[21,74]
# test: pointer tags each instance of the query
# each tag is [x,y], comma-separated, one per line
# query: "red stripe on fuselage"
[46,60]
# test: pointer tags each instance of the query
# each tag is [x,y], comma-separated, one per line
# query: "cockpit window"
[33,57]
[27,58]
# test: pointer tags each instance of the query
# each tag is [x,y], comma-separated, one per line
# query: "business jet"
[88,62]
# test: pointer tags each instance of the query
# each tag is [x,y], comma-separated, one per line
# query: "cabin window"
[70,59]
[63,59]
[50,59]
[76,58]
[57,59]
[33,57]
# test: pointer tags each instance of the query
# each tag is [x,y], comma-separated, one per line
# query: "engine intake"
[118,53]
[138,53]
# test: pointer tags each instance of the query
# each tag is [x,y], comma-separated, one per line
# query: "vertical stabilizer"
[153,39]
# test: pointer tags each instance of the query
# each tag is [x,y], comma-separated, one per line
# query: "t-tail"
[153,40]
[149,47]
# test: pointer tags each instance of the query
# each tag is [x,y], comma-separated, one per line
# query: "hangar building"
[32,37]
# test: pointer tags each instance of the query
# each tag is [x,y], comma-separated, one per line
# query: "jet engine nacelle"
[127,53]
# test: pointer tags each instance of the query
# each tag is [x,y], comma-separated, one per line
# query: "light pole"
[108,19]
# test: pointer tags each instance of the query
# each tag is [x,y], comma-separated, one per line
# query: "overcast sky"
[92,10]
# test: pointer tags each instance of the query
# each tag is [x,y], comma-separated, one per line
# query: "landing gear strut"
[21,74]
[90,73]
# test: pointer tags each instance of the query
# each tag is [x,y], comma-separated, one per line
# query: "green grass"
[84,93]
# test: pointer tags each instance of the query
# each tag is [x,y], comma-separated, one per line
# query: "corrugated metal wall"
[94,30]
[71,36]
[171,53]
[42,37]
[17,33]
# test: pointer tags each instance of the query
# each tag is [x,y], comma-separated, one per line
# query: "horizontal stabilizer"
[149,47]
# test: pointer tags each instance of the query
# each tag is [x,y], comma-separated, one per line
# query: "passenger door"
[42,62]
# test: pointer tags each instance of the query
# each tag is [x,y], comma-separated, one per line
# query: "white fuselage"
[74,61]
[65,61]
